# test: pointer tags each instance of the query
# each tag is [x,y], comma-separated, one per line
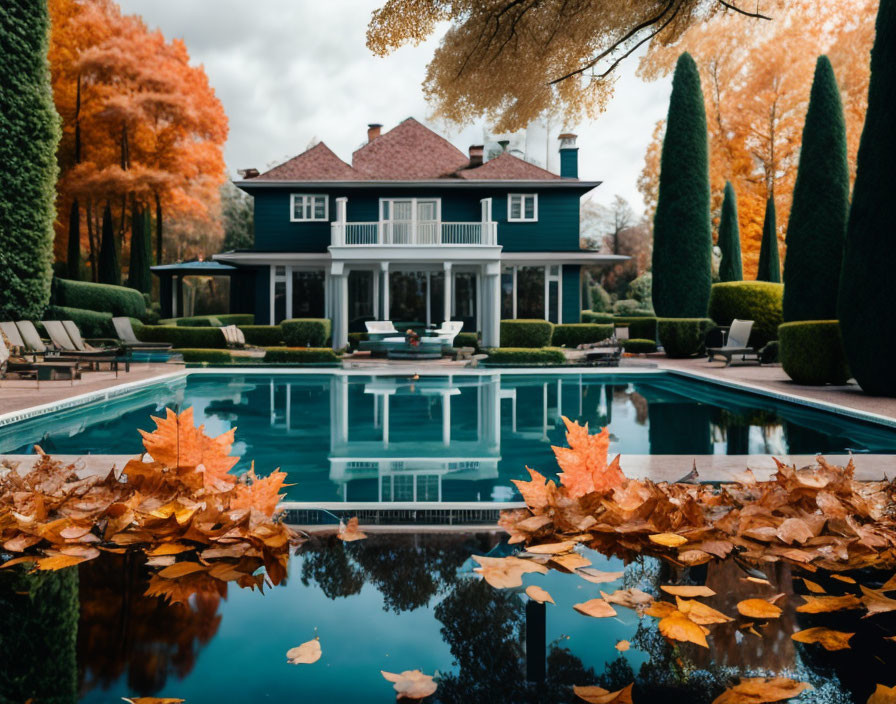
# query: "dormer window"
[309,208]
[522,207]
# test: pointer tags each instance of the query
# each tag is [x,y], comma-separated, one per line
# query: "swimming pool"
[400,438]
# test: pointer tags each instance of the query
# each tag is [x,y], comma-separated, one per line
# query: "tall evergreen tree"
[682,233]
[29,133]
[769,259]
[139,275]
[730,268]
[73,258]
[109,268]
[865,308]
[820,207]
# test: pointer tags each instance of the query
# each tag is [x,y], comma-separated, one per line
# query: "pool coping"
[410,370]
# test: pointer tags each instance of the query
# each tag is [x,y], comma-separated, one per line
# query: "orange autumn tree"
[756,78]
[142,129]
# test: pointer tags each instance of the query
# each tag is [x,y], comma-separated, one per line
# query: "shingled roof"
[408,152]
[507,167]
[316,164]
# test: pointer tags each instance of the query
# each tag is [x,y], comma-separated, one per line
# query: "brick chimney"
[247,173]
[476,151]
[373,131]
[569,156]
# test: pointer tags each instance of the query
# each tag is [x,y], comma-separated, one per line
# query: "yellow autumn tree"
[756,79]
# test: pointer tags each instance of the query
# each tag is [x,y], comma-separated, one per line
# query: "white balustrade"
[419,233]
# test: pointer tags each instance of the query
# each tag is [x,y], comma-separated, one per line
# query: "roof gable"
[319,163]
[507,167]
[409,151]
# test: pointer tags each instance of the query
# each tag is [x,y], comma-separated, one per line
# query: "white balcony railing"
[420,233]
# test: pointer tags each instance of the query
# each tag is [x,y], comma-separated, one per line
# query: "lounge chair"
[82,345]
[32,339]
[14,337]
[736,344]
[233,336]
[67,348]
[380,329]
[448,331]
[605,353]
[129,340]
[34,370]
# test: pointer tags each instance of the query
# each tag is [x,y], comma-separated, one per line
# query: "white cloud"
[289,71]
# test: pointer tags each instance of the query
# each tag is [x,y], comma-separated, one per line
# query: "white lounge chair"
[129,340]
[448,331]
[380,329]
[736,343]
[233,336]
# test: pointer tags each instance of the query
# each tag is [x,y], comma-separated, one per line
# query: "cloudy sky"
[293,72]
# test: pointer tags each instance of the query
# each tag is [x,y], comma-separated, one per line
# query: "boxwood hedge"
[811,352]
[642,327]
[206,356]
[211,321]
[524,356]
[117,300]
[467,339]
[91,323]
[759,301]
[526,333]
[639,346]
[182,337]
[575,334]
[306,332]
[301,355]
[263,335]
[589,316]
[683,337]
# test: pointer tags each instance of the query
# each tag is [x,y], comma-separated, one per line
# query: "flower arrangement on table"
[412,338]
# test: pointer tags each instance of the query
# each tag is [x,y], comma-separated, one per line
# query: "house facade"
[417,232]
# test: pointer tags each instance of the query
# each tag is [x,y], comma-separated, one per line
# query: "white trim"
[502,184]
[304,197]
[522,197]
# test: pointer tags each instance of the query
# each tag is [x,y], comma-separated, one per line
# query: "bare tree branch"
[746,13]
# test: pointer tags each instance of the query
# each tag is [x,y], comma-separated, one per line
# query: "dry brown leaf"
[504,572]
[758,608]
[826,604]
[678,626]
[152,700]
[876,602]
[623,645]
[599,695]
[538,594]
[598,577]
[571,561]
[813,587]
[181,569]
[350,532]
[843,578]
[882,695]
[700,613]
[552,548]
[660,609]
[687,590]
[829,639]
[634,598]
[411,684]
[536,493]
[598,608]
[758,690]
[669,540]
[304,654]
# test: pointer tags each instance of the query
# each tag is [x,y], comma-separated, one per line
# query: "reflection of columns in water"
[536,641]
[608,402]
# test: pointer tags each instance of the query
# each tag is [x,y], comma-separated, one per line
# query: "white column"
[339,308]
[376,295]
[340,219]
[384,267]
[491,306]
[446,419]
[449,290]
[385,420]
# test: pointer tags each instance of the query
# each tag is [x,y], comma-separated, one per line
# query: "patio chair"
[14,337]
[605,353]
[61,340]
[233,336]
[380,329]
[448,331]
[32,339]
[129,340]
[736,343]
[83,345]
[24,369]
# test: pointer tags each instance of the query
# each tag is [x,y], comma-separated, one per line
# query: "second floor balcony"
[413,222]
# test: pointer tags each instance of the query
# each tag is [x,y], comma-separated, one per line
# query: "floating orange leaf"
[504,572]
[411,684]
[876,602]
[829,639]
[350,532]
[687,590]
[700,613]
[758,608]
[584,462]
[630,598]
[678,626]
[552,548]
[259,493]
[669,540]
[599,695]
[304,654]
[537,492]
[813,587]
[882,695]
[758,690]
[623,645]
[538,594]
[826,604]
[152,700]
[597,576]
[597,608]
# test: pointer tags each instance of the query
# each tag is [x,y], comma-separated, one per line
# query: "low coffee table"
[400,348]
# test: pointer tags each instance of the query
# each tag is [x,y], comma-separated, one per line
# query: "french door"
[410,220]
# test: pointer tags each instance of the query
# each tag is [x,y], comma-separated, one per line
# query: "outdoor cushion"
[379,326]
[31,337]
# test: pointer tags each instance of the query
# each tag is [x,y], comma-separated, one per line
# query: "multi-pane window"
[309,208]
[522,207]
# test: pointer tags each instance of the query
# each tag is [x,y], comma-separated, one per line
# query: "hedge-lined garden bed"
[306,332]
[639,326]
[204,356]
[182,337]
[301,355]
[574,334]
[525,356]
[104,298]
[263,335]
[812,352]
[526,333]
[211,321]
[638,346]
[91,323]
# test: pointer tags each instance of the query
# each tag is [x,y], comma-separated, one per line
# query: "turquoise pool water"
[462,438]
[403,602]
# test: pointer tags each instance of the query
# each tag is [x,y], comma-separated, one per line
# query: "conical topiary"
[682,231]
[820,207]
[867,323]
[139,276]
[109,271]
[730,268]
[769,259]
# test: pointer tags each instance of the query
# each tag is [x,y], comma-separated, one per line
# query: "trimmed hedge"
[211,321]
[575,334]
[263,335]
[759,301]
[467,339]
[683,337]
[195,355]
[105,298]
[525,356]
[301,355]
[526,333]
[306,332]
[592,317]
[639,346]
[356,338]
[91,323]
[182,337]
[641,327]
[812,352]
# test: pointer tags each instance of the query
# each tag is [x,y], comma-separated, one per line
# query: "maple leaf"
[179,444]
[259,493]
[536,493]
[584,462]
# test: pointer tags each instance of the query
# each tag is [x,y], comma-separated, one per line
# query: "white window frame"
[293,197]
[522,197]
[286,279]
